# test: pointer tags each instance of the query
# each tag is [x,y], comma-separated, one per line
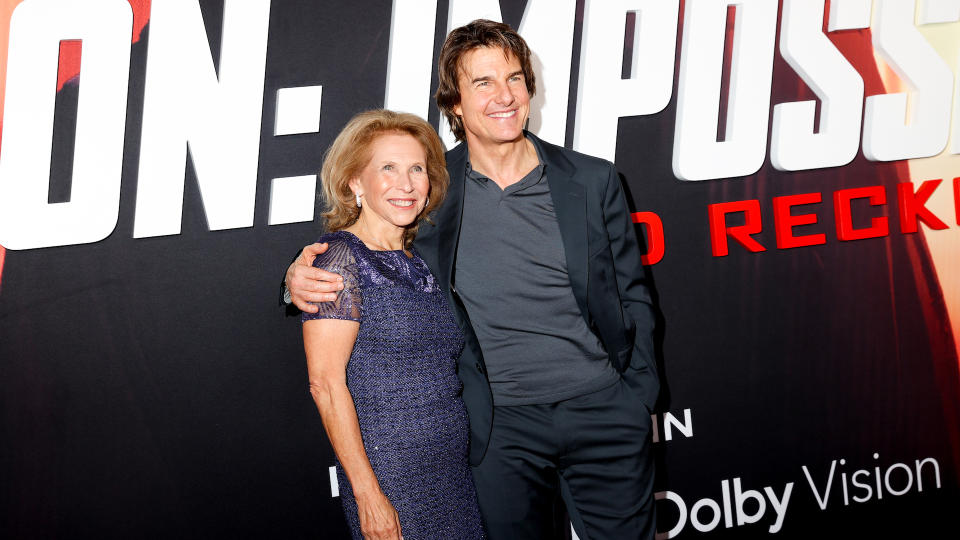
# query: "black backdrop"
[151,387]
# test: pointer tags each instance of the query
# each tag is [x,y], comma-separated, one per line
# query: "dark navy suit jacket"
[603,261]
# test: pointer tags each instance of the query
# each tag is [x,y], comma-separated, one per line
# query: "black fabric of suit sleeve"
[634,289]
[290,310]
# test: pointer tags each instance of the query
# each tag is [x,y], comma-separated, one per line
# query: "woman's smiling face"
[394,185]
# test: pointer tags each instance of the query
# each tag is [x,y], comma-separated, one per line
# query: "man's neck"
[504,163]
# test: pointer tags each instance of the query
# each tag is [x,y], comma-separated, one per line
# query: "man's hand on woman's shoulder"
[309,285]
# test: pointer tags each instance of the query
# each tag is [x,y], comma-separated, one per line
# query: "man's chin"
[500,137]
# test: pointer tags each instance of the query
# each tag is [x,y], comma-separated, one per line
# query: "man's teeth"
[507,114]
[401,203]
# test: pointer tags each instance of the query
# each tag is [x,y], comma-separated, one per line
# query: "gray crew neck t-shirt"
[511,274]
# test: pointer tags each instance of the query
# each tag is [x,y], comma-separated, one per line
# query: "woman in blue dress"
[382,358]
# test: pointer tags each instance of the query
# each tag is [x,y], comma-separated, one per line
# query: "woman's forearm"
[339,416]
[328,344]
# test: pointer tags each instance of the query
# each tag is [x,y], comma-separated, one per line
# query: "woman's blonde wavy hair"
[351,151]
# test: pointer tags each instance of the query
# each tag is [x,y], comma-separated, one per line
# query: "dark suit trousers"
[593,451]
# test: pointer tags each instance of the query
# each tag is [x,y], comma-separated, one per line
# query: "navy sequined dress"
[402,376]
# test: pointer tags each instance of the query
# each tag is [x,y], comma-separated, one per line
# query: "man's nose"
[505,95]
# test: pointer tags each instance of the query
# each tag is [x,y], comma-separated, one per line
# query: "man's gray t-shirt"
[511,274]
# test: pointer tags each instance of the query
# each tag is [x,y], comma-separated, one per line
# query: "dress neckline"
[368,248]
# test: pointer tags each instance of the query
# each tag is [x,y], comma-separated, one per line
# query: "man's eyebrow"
[490,78]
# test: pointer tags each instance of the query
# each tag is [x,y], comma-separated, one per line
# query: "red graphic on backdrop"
[69,65]
[911,206]
[70,50]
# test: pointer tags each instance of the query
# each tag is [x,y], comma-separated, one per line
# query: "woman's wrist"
[367,491]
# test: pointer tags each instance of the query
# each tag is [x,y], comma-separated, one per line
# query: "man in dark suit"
[536,251]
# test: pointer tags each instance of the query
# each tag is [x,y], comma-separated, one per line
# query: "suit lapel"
[450,215]
[569,201]
[570,206]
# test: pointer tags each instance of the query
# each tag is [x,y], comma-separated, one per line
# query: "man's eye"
[417,169]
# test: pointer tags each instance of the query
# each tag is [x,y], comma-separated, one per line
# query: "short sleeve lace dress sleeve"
[339,259]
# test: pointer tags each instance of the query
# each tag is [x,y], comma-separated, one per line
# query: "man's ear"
[458,110]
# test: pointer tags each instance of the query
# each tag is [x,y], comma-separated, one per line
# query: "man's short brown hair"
[479,33]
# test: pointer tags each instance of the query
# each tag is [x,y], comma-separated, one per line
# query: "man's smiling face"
[494,101]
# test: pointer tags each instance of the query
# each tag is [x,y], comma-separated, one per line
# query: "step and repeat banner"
[792,166]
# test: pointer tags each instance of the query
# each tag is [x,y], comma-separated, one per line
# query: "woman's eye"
[388,167]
